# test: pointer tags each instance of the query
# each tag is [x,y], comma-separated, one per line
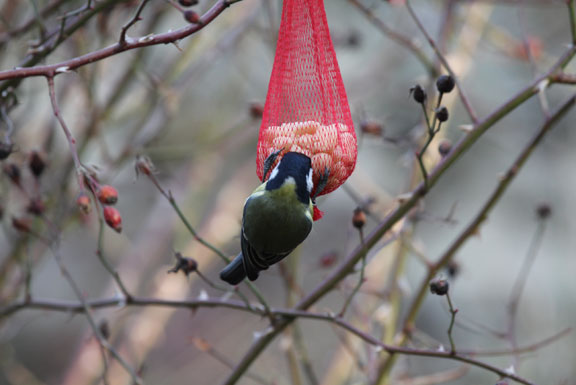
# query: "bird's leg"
[322,182]
[269,162]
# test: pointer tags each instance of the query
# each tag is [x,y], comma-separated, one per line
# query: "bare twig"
[88,313]
[473,227]
[572,16]
[397,37]
[69,137]
[520,350]
[520,283]
[105,262]
[24,27]
[290,314]
[176,207]
[205,347]
[453,312]
[563,78]
[145,41]
[136,18]
[360,279]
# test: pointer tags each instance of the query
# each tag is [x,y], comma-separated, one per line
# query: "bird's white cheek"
[274,172]
[309,183]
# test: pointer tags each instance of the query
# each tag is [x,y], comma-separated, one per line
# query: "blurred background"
[194,109]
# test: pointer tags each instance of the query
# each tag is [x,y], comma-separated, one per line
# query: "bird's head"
[294,168]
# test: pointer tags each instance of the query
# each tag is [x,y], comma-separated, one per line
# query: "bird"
[277,217]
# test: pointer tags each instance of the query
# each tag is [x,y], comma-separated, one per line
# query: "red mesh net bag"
[306,108]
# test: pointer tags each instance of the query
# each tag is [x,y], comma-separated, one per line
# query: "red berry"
[107,195]
[113,218]
[83,202]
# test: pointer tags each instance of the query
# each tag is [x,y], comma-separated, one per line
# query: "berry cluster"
[106,196]
[444,84]
[26,177]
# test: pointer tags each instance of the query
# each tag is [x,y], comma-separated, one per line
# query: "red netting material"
[306,108]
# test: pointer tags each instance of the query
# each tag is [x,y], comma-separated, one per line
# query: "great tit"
[277,217]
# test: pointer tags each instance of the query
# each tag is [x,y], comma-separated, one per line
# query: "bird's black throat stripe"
[293,165]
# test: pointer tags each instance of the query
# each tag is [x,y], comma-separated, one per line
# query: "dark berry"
[439,286]
[418,94]
[442,114]
[445,84]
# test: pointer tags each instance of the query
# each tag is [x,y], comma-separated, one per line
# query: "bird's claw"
[322,182]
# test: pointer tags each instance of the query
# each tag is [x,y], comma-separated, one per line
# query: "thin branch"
[287,314]
[172,201]
[75,307]
[525,349]
[453,312]
[136,18]
[44,13]
[52,41]
[463,97]
[87,312]
[400,350]
[105,262]
[563,78]
[145,41]
[397,37]
[78,307]
[473,227]
[572,16]
[482,215]
[520,283]
[207,348]
[69,137]
[360,279]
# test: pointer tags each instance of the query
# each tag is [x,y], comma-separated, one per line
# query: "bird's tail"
[234,273]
